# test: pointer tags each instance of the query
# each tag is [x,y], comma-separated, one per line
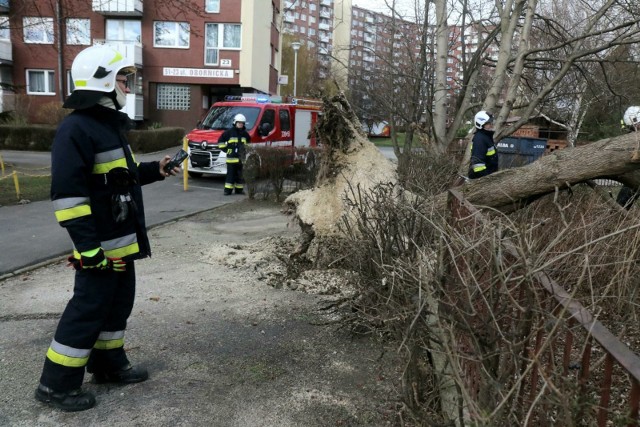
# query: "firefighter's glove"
[117,264]
[96,259]
[90,259]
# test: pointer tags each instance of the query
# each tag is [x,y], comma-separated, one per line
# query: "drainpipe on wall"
[60,56]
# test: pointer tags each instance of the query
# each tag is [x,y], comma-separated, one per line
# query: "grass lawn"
[32,188]
[386,142]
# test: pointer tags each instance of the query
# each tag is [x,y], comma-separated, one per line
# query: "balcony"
[4,6]
[6,56]
[134,105]
[131,50]
[325,27]
[118,7]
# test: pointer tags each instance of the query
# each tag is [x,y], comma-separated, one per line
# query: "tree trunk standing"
[608,158]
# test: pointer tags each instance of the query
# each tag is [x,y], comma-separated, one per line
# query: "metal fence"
[562,343]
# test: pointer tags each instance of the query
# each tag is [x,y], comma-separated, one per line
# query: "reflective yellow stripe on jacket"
[108,160]
[71,208]
[118,247]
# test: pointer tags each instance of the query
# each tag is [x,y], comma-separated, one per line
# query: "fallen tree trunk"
[614,158]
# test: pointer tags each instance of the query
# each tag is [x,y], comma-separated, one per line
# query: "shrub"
[52,113]
[32,137]
[148,141]
[40,138]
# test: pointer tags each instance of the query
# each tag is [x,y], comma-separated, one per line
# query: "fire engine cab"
[270,123]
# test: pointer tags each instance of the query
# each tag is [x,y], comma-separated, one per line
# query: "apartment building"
[375,45]
[324,27]
[188,54]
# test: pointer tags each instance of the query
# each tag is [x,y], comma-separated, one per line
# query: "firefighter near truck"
[269,122]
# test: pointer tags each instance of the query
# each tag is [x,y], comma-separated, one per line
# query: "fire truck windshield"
[221,118]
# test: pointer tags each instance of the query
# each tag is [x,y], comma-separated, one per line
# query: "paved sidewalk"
[30,234]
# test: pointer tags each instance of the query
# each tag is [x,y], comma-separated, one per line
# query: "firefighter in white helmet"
[233,142]
[631,120]
[97,198]
[484,156]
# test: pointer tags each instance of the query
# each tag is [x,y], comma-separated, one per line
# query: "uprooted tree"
[359,186]
[353,162]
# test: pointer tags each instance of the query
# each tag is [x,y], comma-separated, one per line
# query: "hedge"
[40,138]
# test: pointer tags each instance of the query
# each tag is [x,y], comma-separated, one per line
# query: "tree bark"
[615,158]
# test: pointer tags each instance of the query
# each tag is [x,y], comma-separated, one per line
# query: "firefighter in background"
[484,156]
[631,119]
[234,141]
[97,197]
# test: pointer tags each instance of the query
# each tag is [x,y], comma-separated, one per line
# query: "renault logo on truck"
[203,145]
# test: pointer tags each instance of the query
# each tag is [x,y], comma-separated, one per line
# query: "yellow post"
[185,164]
[2,164]
[17,184]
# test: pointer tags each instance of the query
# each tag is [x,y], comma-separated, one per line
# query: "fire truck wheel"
[195,174]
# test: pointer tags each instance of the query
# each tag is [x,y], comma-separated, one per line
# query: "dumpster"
[519,151]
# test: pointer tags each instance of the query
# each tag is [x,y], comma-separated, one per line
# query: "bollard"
[2,164]
[17,184]
[185,164]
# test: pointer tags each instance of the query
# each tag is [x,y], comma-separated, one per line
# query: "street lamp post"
[296,47]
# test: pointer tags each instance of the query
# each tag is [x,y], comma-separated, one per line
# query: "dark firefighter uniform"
[234,141]
[97,197]
[484,156]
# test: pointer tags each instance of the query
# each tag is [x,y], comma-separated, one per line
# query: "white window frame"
[75,26]
[220,45]
[212,6]
[48,90]
[42,26]
[179,27]
[122,31]
[70,85]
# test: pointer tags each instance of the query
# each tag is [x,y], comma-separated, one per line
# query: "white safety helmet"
[482,118]
[94,73]
[239,118]
[631,117]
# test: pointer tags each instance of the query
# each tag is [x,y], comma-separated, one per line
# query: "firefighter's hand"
[90,259]
[175,171]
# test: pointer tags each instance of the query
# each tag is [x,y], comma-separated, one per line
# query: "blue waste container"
[519,151]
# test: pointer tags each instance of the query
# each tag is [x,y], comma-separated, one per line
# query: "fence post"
[17,184]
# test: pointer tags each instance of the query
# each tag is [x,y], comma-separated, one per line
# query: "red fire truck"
[270,123]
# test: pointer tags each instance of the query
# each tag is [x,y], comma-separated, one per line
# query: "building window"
[41,82]
[212,6]
[70,85]
[4,28]
[171,34]
[220,36]
[121,30]
[173,97]
[38,30]
[78,31]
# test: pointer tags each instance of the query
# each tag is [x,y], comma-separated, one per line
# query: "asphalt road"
[30,234]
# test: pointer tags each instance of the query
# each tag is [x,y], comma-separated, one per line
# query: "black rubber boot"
[71,401]
[126,375]
[227,192]
[239,191]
